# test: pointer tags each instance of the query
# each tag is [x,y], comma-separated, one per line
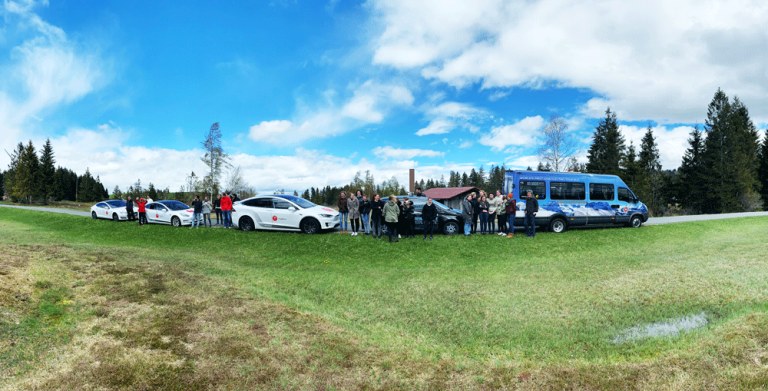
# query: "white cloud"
[369,104]
[522,163]
[399,154]
[672,143]
[654,59]
[448,116]
[521,133]
[45,70]
[466,144]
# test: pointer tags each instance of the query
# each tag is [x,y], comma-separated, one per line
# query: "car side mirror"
[291,208]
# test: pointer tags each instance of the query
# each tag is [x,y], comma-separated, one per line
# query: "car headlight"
[326,216]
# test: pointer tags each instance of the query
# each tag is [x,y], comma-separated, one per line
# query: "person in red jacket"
[142,211]
[226,210]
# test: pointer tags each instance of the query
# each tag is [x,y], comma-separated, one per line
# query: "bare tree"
[235,181]
[558,147]
[215,159]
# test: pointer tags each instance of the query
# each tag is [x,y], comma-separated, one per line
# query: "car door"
[260,209]
[151,215]
[103,210]
[162,214]
[418,222]
[286,215]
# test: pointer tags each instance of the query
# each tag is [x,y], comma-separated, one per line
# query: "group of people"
[202,209]
[222,206]
[371,215]
[490,209]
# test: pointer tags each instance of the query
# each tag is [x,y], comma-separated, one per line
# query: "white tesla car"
[110,209]
[283,213]
[170,212]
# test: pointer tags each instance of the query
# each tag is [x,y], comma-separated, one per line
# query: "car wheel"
[246,224]
[557,226]
[310,226]
[636,221]
[450,228]
[93,215]
[176,222]
[115,218]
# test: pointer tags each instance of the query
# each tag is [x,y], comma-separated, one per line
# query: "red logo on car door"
[274,218]
[157,216]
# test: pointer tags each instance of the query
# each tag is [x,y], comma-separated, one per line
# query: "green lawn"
[338,312]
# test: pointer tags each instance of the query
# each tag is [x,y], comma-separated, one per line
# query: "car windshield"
[116,204]
[297,200]
[174,205]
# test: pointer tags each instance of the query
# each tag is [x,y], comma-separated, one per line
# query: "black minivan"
[449,221]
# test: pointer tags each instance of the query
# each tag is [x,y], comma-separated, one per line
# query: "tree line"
[36,179]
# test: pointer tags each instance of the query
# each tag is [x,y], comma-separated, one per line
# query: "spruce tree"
[631,170]
[718,198]
[46,178]
[744,157]
[763,171]
[607,149]
[26,183]
[691,191]
[152,192]
[652,180]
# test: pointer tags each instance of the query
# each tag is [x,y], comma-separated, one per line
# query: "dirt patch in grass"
[146,324]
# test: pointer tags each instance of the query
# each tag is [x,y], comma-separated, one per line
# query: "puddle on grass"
[670,328]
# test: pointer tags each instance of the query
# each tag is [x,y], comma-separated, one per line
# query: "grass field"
[79,206]
[95,304]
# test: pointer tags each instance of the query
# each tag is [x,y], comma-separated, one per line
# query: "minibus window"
[625,195]
[539,189]
[601,191]
[567,191]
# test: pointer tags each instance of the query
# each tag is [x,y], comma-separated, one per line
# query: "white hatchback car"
[283,213]
[110,209]
[170,212]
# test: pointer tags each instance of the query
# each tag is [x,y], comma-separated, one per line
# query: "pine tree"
[690,191]
[465,180]
[46,178]
[763,171]
[652,180]
[718,174]
[607,149]
[745,157]
[10,174]
[26,183]
[631,170]
[152,192]
[116,193]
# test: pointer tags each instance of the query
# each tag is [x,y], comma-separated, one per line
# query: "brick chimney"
[412,180]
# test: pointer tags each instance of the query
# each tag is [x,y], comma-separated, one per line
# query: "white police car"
[110,209]
[283,213]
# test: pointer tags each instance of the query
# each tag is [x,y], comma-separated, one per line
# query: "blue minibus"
[568,199]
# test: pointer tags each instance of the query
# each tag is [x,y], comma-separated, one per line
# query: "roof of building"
[444,193]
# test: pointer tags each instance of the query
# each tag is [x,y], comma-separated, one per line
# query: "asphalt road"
[651,221]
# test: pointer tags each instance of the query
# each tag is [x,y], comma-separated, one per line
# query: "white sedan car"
[170,212]
[110,209]
[283,213]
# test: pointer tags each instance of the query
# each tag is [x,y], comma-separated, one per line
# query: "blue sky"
[308,93]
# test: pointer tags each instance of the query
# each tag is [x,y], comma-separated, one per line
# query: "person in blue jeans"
[483,206]
[198,212]
[531,207]
[365,214]
[343,212]
[467,213]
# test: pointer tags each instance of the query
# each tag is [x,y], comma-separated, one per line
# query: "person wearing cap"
[531,207]
[511,210]
[142,211]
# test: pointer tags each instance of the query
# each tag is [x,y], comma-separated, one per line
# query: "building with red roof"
[450,196]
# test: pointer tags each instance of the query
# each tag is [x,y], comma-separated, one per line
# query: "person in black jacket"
[198,212]
[129,209]
[429,217]
[402,220]
[531,207]
[409,219]
[217,207]
[376,220]
[475,211]
[365,214]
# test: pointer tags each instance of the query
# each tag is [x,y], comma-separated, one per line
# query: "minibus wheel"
[636,221]
[557,225]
